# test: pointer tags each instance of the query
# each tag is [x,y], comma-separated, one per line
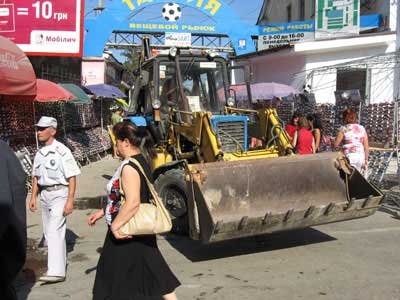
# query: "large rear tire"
[172,189]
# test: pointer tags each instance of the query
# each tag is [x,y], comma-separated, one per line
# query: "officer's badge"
[52,162]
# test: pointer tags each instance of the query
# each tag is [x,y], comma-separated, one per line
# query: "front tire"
[172,189]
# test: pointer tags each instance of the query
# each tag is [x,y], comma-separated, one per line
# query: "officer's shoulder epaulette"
[61,150]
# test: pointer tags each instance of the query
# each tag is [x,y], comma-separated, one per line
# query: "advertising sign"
[178,39]
[43,27]
[172,27]
[278,35]
[337,18]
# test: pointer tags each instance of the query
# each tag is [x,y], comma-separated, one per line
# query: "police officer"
[54,177]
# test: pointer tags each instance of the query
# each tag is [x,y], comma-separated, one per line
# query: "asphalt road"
[358,259]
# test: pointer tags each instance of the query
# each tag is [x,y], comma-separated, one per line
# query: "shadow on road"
[35,266]
[24,283]
[195,251]
[70,238]
[105,176]
[391,210]
[90,202]
[36,263]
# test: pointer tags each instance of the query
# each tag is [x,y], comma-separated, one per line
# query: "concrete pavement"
[357,259]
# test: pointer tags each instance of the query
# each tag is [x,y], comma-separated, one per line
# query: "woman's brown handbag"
[151,218]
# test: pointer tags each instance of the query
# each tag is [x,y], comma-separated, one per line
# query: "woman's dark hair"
[350,116]
[316,121]
[138,136]
[295,115]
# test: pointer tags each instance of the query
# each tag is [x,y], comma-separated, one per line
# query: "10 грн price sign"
[43,27]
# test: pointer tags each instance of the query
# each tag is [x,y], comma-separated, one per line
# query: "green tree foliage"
[132,59]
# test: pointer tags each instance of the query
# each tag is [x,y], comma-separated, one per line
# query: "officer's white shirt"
[54,164]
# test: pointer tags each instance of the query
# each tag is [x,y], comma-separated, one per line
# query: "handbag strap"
[149,184]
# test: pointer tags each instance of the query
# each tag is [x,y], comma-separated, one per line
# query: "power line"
[378,60]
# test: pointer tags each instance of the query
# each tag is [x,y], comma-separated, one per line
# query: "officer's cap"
[47,122]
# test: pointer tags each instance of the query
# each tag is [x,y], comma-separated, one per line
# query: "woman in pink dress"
[354,141]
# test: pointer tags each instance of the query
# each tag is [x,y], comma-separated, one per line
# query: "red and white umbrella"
[49,91]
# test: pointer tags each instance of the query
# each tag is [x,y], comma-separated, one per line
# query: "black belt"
[54,187]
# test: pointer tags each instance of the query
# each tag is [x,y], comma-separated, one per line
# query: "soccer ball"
[171,12]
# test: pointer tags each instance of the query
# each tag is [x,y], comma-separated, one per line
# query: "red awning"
[49,91]
[17,77]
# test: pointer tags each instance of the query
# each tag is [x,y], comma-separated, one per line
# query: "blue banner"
[117,17]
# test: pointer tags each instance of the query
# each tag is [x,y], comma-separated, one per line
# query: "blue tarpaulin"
[106,91]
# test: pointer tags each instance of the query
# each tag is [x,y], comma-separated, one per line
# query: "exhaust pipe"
[146,47]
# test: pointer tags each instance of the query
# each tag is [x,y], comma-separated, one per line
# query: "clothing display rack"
[378,164]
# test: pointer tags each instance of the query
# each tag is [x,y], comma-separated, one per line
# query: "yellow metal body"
[266,127]
[200,133]
[161,159]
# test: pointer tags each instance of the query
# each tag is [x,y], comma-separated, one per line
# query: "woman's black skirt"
[132,270]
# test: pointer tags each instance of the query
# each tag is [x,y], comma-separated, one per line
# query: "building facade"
[367,62]
[274,11]
[105,69]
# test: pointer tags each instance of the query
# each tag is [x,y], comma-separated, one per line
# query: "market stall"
[79,123]
[17,91]
[107,96]
[87,138]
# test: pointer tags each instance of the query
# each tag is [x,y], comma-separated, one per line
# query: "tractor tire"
[172,189]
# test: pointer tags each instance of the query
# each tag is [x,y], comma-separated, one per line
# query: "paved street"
[357,259]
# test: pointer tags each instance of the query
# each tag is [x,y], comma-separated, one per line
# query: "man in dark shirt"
[13,220]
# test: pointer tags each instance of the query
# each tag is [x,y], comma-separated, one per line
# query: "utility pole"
[396,77]
[99,8]
[396,86]
[397,23]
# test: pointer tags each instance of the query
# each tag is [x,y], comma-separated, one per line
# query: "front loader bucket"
[245,198]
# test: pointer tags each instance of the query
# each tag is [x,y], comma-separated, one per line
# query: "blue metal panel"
[138,121]
[370,21]
[226,119]
[334,14]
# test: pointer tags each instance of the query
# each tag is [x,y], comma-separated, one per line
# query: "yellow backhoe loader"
[215,185]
